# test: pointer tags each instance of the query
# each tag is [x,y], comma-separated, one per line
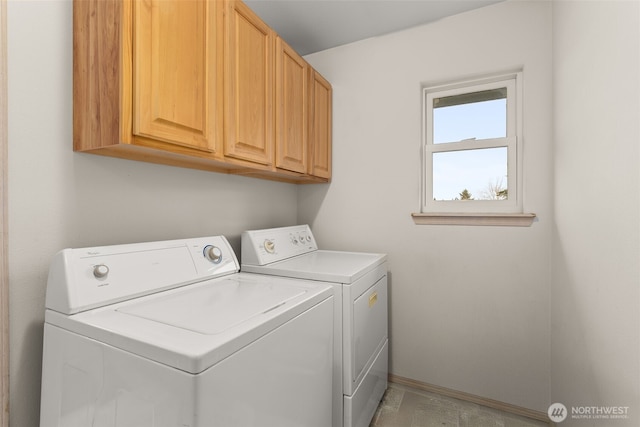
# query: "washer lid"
[215,309]
[194,327]
[328,266]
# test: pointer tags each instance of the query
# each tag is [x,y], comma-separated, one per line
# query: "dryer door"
[365,305]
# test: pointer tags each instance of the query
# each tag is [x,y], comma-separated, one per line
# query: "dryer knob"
[213,254]
[269,246]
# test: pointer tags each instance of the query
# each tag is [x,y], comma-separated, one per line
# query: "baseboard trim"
[468,397]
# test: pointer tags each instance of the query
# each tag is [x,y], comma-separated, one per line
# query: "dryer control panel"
[85,278]
[261,247]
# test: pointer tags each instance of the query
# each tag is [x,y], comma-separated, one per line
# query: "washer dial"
[100,271]
[213,254]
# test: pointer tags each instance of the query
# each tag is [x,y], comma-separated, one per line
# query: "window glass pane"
[476,115]
[482,173]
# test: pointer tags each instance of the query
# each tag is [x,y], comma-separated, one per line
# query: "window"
[471,147]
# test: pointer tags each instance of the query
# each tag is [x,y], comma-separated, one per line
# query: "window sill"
[495,219]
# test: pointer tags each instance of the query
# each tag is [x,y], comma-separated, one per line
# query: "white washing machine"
[170,334]
[360,318]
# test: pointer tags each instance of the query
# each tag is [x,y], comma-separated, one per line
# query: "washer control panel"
[261,247]
[85,278]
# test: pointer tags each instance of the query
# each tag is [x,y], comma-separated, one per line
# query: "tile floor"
[403,406]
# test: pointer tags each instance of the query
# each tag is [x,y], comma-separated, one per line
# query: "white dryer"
[170,334]
[360,318]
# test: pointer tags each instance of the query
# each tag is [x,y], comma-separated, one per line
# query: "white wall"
[59,199]
[469,305]
[595,297]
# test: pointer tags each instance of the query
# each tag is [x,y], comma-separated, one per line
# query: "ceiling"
[313,25]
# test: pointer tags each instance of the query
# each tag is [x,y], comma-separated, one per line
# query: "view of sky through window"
[479,170]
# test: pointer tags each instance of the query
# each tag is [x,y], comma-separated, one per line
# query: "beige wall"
[59,199]
[595,352]
[469,305]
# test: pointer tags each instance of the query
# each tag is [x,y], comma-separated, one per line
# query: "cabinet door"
[320,127]
[292,101]
[249,45]
[176,75]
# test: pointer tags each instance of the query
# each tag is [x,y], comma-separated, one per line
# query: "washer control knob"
[100,271]
[213,254]
[270,246]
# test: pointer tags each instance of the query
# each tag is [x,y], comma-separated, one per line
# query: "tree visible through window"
[470,147]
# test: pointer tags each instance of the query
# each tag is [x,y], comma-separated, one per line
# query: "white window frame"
[513,142]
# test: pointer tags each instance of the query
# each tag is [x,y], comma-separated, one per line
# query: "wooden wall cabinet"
[320,126]
[249,45]
[202,84]
[175,70]
[303,116]
[148,81]
[292,109]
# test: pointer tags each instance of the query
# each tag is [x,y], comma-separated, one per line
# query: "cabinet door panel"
[249,86]
[174,64]
[320,133]
[292,99]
